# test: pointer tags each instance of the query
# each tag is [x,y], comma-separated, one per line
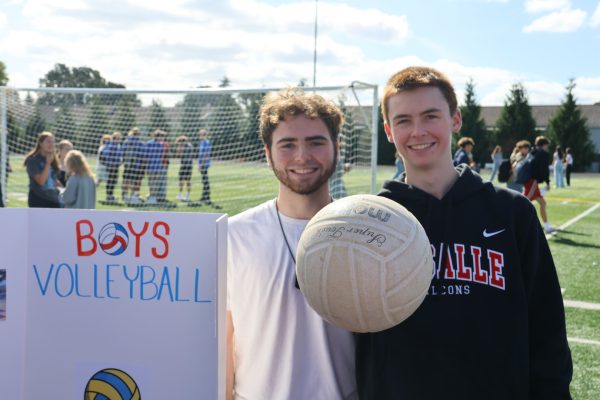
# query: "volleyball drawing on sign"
[111,384]
[113,239]
[364,263]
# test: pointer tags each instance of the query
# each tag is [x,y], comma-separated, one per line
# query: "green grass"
[234,186]
[576,250]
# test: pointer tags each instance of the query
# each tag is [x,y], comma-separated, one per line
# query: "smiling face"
[421,126]
[302,154]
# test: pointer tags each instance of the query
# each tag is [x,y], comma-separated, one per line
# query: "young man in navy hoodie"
[492,325]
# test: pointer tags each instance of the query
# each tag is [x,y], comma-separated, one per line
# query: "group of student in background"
[525,169]
[151,159]
[60,176]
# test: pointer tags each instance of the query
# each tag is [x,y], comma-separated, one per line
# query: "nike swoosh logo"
[487,234]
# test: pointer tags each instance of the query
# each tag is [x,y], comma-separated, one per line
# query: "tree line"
[231,119]
[567,127]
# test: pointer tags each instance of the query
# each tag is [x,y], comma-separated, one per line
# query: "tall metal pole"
[315,48]
[3,142]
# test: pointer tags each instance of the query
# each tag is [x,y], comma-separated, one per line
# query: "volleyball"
[113,239]
[364,263]
[111,384]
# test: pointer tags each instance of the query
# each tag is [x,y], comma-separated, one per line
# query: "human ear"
[388,132]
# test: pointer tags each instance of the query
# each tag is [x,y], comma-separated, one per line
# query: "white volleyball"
[364,263]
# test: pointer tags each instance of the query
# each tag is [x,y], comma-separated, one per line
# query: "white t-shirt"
[282,348]
[569,159]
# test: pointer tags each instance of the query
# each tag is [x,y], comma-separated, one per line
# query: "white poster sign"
[113,303]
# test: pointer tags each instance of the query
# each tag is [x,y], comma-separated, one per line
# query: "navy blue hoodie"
[492,325]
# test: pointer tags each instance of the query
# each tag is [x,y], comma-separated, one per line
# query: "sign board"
[102,302]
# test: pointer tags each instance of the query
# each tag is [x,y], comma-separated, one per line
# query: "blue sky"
[266,43]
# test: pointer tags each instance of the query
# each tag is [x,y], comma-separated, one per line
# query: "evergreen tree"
[36,124]
[474,126]
[3,74]
[386,151]
[515,122]
[96,125]
[224,127]
[14,132]
[349,135]
[125,119]
[568,128]
[191,117]
[65,127]
[250,126]
[225,82]
[158,117]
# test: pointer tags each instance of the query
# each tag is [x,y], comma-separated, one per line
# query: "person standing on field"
[541,173]
[496,160]
[278,346]
[204,159]
[568,165]
[492,325]
[42,167]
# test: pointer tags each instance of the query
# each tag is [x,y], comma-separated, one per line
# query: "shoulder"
[252,216]
[512,203]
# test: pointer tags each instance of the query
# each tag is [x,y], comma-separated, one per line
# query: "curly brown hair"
[293,101]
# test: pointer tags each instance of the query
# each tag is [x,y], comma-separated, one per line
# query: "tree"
[76,77]
[224,126]
[386,151]
[568,128]
[97,124]
[36,124]
[14,132]
[125,119]
[515,122]
[250,126]
[65,126]
[225,82]
[474,126]
[3,74]
[158,117]
[191,117]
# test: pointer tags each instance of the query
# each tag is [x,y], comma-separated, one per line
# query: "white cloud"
[2,20]
[560,21]
[535,6]
[587,90]
[595,19]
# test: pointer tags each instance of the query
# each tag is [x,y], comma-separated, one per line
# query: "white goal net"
[145,146]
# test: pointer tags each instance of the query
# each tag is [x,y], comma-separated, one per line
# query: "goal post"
[238,176]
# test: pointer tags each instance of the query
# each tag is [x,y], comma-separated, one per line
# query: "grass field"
[576,249]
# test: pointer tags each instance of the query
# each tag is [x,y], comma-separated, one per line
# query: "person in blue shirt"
[155,154]
[133,167]
[42,167]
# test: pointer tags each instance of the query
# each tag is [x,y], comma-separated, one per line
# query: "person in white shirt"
[279,347]
[568,165]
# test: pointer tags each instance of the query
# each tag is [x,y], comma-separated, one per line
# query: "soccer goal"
[147,171]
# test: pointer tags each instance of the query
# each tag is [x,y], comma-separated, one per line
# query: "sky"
[183,44]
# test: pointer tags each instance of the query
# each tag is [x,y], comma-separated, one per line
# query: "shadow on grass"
[570,242]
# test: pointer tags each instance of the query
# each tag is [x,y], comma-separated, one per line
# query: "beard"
[308,187]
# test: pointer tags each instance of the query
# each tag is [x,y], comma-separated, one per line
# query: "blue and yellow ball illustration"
[113,239]
[111,384]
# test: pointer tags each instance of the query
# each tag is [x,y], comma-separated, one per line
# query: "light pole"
[315,48]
